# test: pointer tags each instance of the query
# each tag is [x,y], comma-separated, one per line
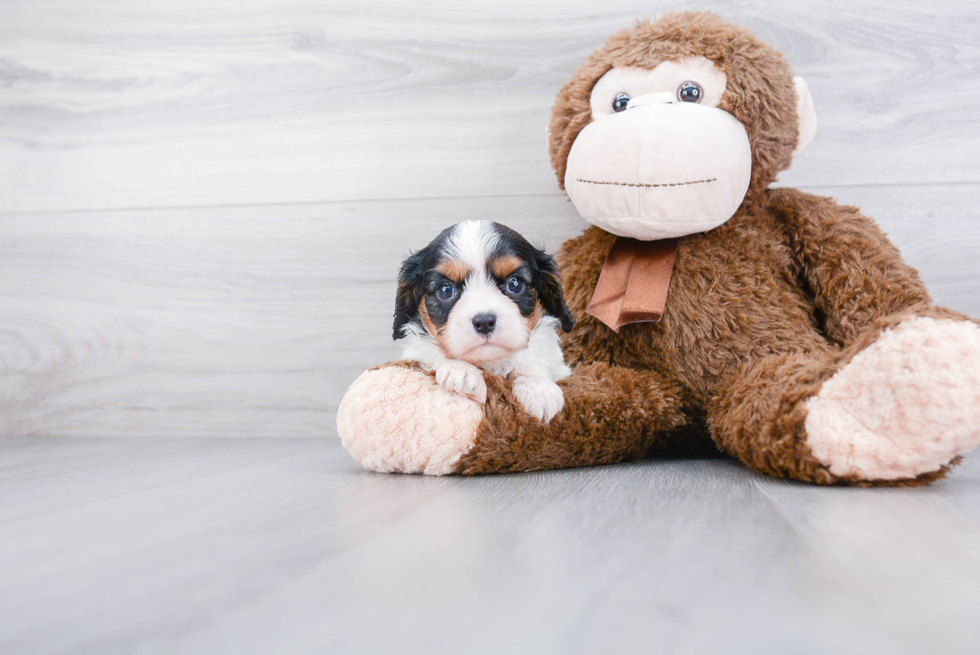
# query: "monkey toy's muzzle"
[660,169]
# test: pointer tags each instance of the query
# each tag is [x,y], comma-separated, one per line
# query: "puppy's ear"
[548,285]
[409,293]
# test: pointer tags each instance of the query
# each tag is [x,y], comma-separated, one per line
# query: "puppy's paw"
[541,397]
[462,378]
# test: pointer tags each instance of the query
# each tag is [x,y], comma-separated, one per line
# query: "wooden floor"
[202,210]
[285,546]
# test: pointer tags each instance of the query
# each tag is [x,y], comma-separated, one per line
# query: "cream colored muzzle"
[660,169]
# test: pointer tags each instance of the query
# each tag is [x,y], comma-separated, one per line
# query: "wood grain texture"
[162,103]
[252,321]
[202,209]
[203,206]
[235,321]
[270,545]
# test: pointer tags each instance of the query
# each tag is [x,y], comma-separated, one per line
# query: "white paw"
[462,378]
[906,405]
[540,397]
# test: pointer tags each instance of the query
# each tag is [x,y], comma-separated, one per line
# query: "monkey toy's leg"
[397,419]
[897,406]
[899,400]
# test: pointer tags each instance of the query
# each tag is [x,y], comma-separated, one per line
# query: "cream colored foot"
[397,419]
[904,406]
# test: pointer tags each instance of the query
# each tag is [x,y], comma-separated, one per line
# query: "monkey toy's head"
[671,125]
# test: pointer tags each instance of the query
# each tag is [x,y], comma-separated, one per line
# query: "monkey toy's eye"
[690,92]
[446,292]
[620,101]
[515,285]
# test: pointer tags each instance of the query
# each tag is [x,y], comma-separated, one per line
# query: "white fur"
[482,295]
[462,378]
[418,346]
[533,369]
[531,359]
[471,241]
[540,397]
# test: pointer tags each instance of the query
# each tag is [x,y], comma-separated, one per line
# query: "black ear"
[409,293]
[548,285]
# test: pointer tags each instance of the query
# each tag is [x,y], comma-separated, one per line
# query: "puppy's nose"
[484,323]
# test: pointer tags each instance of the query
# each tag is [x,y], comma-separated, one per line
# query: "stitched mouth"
[648,186]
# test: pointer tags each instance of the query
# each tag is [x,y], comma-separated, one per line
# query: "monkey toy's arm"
[395,418]
[854,272]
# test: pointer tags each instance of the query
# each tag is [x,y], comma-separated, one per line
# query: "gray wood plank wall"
[202,207]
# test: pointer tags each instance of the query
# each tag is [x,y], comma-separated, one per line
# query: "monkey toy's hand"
[462,378]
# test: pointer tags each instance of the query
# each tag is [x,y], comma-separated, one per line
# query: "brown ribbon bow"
[633,284]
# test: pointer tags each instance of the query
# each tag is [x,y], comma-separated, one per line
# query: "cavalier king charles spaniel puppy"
[481,298]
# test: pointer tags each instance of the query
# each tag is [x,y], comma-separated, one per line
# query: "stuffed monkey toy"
[712,310]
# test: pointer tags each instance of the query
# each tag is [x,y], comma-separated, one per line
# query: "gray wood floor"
[202,209]
[285,545]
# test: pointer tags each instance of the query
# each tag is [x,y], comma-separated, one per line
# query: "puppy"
[481,297]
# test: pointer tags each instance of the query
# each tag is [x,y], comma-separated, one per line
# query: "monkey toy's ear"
[806,116]
[409,293]
[548,285]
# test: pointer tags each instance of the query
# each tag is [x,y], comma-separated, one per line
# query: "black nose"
[484,323]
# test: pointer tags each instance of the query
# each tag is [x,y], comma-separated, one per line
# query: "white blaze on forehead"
[472,242]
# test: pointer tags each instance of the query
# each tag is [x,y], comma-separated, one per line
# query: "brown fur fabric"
[627,415]
[748,335]
[761,310]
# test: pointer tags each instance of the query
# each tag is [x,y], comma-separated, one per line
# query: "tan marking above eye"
[502,267]
[453,269]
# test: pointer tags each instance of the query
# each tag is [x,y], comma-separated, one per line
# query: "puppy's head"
[478,290]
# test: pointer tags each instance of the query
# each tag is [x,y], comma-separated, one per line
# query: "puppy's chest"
[503,367]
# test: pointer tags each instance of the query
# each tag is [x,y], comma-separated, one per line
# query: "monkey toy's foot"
[906,405]
[399,419]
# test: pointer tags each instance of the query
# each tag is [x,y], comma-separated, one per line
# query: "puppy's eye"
[620,101]
[515,285]
[690,92]
[446,292]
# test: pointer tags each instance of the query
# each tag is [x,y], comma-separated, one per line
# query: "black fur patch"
[539,272]
[541,276]
[527,299]
[439,309]
[411,279]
